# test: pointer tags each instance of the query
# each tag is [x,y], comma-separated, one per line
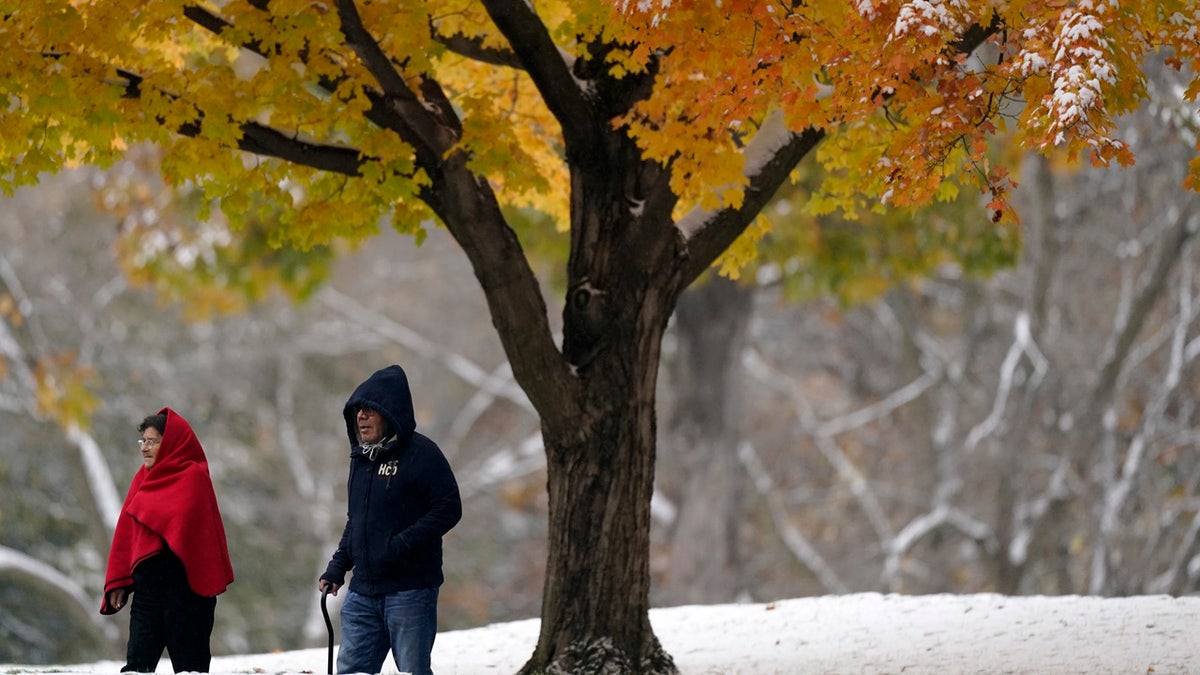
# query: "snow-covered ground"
[864,633]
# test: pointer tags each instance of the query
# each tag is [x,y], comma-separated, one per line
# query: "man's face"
[149,444]
[370,426]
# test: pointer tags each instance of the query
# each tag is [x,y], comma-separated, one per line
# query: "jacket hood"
[386,391]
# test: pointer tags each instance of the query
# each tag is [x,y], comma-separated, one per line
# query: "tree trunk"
[699,451]
[595,604]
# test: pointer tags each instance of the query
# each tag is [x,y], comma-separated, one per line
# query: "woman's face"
[149,444]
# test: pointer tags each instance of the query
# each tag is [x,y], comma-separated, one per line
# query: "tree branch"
[373,57]
[427,122]
[847,471]
[1022,345]
[1139,452]
[470,211]
[708,234]
[260,139]
[463,200]
[474,49]
[942,515]
[263,140]
[75,598]
[1116,356]
[216,25]
[466,369]
[793,539]
[545,64]
[382,112]
[976,35]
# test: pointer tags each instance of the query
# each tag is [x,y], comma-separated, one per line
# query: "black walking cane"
[329,628]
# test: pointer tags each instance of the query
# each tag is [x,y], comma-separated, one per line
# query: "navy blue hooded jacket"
[402,497]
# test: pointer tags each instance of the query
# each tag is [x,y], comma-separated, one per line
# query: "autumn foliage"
[906,106]
[903,107]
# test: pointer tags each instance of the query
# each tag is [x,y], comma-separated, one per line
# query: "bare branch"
[458,364]
[885,406]
[845,467]
[32,568]
[795,541]
[1168,581]
[1116,355]
[942,515]
[504,464]
[1028,517]
[1139,451]
[99,478]
[1022,345]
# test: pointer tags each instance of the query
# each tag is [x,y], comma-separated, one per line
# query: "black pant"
[166,614]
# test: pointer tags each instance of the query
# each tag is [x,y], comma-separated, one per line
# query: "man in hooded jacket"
[401,499]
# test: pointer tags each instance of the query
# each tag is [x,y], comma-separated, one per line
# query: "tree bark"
[595,605]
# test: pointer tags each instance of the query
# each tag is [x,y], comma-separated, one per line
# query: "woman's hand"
[116,598]
[324,584]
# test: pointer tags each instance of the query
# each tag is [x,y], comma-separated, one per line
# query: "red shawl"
[171,504]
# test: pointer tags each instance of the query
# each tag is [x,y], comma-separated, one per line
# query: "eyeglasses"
[143,442]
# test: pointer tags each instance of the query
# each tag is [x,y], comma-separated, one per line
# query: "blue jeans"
[405,622]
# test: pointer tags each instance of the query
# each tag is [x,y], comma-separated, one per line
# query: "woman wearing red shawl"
[168,551]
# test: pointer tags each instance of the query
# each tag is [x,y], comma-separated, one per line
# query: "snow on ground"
[866,634]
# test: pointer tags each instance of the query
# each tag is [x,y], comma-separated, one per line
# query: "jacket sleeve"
[444,511]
